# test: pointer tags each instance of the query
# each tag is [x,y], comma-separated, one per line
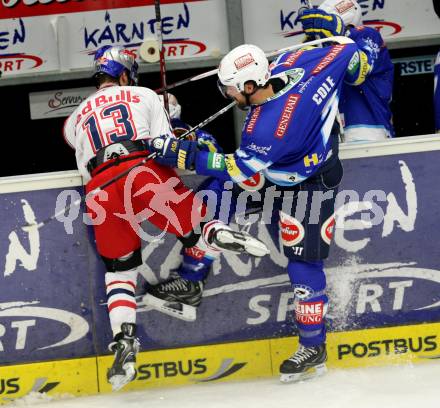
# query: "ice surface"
[408,386]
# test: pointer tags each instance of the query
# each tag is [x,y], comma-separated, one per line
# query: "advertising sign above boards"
[57,103]
[32,8]
[272,24]
[416,65]
[60,36]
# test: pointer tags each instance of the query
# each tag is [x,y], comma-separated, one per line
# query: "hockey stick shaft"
[338,39]
[125,172]
[187,80]
[162,65]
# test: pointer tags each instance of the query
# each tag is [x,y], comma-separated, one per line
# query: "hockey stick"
[337,39]
[163,78]
[125,172]
[186,81]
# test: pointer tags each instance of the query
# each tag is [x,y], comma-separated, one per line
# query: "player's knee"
[307,276]
[123,263]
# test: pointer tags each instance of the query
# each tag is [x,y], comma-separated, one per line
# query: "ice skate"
[125,348]
[306,363]
[223,237]
[176,297]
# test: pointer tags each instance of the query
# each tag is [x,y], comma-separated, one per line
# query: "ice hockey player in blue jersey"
[288,155]
[437,93]
[365,100]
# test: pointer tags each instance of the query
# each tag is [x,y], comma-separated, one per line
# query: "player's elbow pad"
[358,69]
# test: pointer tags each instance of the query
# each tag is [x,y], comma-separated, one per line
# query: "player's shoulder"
[255,121]
[290,59]
[360,32]
[263,119]
[145,92]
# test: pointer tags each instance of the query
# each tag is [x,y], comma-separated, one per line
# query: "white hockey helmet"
[244,63]
[349,10]
[173,105]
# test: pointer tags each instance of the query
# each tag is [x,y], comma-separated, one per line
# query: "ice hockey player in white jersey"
[109,132]
[365,101]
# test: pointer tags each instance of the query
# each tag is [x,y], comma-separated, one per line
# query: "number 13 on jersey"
[112,124]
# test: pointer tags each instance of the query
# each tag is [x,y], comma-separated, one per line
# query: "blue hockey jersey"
[437,93]
[366,97]
[287,137]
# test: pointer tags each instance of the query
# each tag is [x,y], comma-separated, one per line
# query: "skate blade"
[174,309]
[118,381]
[312,372]
[247,243]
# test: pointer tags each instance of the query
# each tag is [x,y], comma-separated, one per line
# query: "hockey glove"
[317,22]
[173,152]
[179,131]
[207,143]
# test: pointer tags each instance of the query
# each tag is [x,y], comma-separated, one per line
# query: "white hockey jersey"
[113,114]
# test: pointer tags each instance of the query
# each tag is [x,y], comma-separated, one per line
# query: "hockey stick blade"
[337,39]
[77,202]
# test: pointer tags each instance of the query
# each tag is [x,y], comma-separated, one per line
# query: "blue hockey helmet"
[113,60]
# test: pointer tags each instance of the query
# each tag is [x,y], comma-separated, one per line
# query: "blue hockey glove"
[207,145]
[173,152]
[207,142]
[319,23]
